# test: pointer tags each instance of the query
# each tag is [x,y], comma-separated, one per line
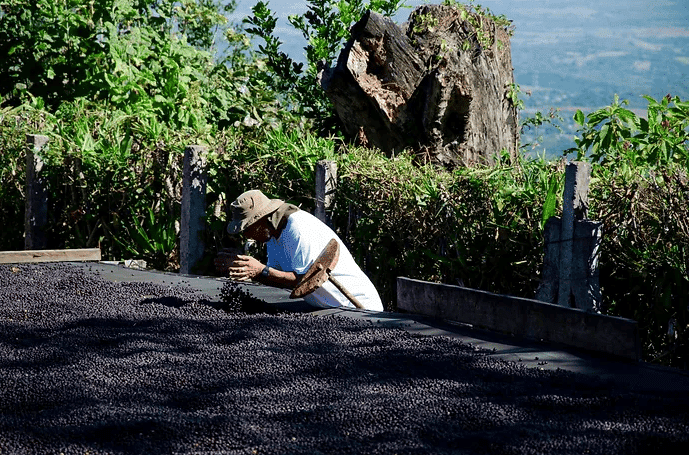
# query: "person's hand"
[245,268]
[224,259]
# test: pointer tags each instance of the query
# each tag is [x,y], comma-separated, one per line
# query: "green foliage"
[12,176]
[500,20]
[121,87]
[477,227]
[285,70]
[280,162]
[146,58]
[424,23]
[617,137]
[200,20]
[43,45]
[640,189]
[536,121]
[513,95]
[154,239]
[100,166]
[60,50]
[539,119]
[644,254]
[549,208]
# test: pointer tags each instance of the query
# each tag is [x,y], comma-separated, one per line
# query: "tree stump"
[438,85]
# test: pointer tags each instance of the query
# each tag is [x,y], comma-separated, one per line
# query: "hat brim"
[239,225]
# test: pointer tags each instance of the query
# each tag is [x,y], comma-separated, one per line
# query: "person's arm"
[245,268]
[278,278]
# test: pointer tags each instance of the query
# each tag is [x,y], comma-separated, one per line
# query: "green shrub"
[121,88]
[644,256]
[640,194]
[101,171]
[623,142]
[479,227]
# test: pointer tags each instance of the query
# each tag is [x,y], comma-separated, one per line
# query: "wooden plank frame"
[58,255]
[522,317]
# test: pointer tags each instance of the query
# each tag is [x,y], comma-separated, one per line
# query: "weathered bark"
[430,85]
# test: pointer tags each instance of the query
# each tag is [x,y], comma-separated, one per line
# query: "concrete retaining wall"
[522,317]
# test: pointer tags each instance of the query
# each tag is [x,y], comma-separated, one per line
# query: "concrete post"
[584,281]
[584,284]
[326,182]
[548,287]
[570,275]
[193,218]
[36,206]
[575,204]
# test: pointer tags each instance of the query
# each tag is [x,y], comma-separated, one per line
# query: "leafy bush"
[120,87]
[640,194]
[479,227]
[644,256]
[620,140]
[99,173]
[60,50]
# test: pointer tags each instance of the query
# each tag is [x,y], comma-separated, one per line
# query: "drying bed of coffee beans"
[93,366]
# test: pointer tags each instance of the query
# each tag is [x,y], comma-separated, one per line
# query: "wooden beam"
[59,255]
[522,317]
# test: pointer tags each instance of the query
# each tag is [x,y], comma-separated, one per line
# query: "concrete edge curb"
[522,317]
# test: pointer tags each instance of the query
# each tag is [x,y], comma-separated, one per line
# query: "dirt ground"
[94,366]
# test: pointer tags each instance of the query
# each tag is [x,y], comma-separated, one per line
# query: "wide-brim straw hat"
[248,208]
